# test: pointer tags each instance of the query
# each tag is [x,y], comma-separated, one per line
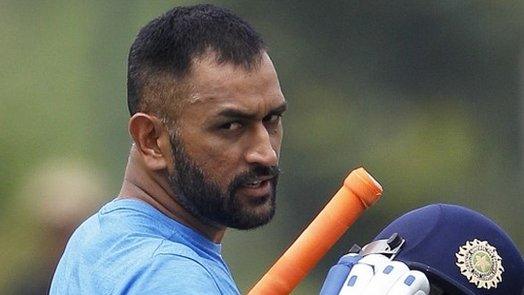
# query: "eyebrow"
[236,113]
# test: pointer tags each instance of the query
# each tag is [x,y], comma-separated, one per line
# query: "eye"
[273,119]
[231,126]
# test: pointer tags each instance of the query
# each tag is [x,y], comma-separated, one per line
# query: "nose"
[261,151]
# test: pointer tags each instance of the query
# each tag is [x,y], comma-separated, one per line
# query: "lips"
[259,187]
[253,184]
[257,182]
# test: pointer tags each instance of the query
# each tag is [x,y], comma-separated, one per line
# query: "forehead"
[217,84]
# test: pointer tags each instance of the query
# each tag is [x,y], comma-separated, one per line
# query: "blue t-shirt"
[129,247]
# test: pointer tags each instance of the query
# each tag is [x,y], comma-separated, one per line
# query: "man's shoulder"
[176,271]
[168,249]
[171,268]
[132,231]
[127,262]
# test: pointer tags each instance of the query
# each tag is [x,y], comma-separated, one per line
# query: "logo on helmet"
[480,263]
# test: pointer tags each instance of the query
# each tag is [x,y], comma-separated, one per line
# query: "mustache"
[255,173]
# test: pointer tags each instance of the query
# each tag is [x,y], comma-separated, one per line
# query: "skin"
[231,122]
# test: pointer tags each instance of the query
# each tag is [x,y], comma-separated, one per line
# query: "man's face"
[227,144]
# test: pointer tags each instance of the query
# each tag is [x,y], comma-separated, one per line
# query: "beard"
[205,200]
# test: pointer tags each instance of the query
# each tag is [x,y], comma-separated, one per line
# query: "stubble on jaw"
[206,201]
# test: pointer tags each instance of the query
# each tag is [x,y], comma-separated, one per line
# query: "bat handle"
[359,192]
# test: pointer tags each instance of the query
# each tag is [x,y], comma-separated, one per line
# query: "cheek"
[276,140]
[220,162]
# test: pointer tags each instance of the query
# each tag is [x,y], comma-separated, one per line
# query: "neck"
[152,187]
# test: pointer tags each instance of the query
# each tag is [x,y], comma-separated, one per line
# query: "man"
[206,108]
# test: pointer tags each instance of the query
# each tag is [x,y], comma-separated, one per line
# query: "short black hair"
[169,43]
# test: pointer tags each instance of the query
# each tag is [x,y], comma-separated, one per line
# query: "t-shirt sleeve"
[170,274]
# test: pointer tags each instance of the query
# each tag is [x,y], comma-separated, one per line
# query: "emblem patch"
[480,263]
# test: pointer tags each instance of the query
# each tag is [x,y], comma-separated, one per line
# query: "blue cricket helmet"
[460,250]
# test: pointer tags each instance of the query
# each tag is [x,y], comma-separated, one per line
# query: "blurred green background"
[427,95]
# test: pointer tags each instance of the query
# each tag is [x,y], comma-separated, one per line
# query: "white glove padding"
[375,274]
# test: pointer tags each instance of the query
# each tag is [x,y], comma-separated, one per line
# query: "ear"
[151,140]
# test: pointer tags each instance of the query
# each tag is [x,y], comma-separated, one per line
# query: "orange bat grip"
[359,192]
